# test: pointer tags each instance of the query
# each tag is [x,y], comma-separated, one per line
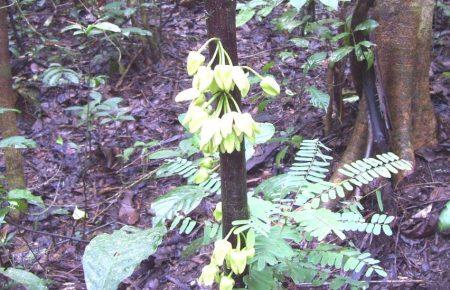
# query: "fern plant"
[291,225]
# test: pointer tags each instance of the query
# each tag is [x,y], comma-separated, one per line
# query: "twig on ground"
[45,233]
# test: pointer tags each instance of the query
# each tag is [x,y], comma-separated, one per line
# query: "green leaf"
[18,142]
[318,99]
[164,154]
[444,219]
[331,3]
[260,280]
[339,54]
[25,194]
[300,42]
[369,25]
[110,258]
[266,131]
[135,30]
[4,110]
[298,4]
[314,61]
[272,249]
[244,16]
[182,199]
[27,279]
[106,26]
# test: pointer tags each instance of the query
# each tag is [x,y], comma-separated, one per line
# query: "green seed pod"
[223,75]
[207,162]
[187,95]
[241,80]
[221,250]
[208,275]
[201,175]
[194,61]
[217,213]
[203,79]
[270,86]
[237,261]
[226,283]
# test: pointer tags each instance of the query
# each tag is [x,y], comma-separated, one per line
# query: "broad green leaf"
[25,194]
[300,42]
[266,131]
[298,4]
[110,258]
[369,25]
[340,53]
[444,219]
[27,279]
[18,142]
[331,3]
[135,30]
[260,280]
[107,26]
[244,16]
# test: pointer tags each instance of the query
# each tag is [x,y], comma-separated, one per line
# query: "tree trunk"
[403,48]
[403,41]
[221,23]
[8,127]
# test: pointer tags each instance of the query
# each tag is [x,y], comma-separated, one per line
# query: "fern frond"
[187,224]
[347,259]
[187,169]
[355,222]
[179,201]
[319,222]
[360,173]
[311,163]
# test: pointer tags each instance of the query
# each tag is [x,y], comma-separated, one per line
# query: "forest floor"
[114,193]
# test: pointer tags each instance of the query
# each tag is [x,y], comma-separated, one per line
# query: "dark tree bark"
[8,126]
[221,23]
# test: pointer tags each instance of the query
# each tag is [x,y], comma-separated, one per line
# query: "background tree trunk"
[221,22]
[8,127]
[403,48]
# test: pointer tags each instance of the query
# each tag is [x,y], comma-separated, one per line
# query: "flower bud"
[270,86]
[245,124]
[187,95]
[208,275]
[203,79]
[223,75]
[195,118]
[226,283]
[241,80]
[217,213]
[208,130]
[221,250]
[207,162]
[201,175]
[237,260]
[226,124]
[228,143]
[194,61]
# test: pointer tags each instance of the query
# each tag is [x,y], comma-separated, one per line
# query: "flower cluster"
[213,112]
[234,260]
